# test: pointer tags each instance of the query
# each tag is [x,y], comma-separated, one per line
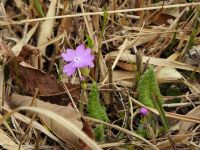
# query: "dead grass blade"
[129,58]
[101,13]
[186,126]
[65,123]
[163,75]
[46,28]
[35,125]
[177,138]
[120,52]
[68,112]
[168,114]
[7,143]
[18,47]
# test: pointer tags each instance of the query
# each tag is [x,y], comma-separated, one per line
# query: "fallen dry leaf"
[5,51]
[176,138]
[186,126]
[27,51]
[28,79]
[18,47]
[167,75]
[67,112]
[7,143]
[130,58]
[161,18]
[35,124]
[125,66]
[163,75]
[89,131]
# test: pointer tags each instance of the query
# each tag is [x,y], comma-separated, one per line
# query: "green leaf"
[38,8]
[105,19]
[6,72]
[95,110]
[149,94]
[89,40]
[99,133]
[146,86]
[158,106]
[174,91]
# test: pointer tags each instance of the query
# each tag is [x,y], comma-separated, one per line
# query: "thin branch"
[99,13]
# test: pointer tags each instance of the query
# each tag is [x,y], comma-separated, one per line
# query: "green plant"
[149,94]
[95,110]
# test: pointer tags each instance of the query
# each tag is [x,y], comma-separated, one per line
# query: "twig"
[70,97]
[100,13]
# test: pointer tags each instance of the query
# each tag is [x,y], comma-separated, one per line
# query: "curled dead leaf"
[27,51]
[18,47]
[161,62]
[7,143]
[186,126]
[166,144]
[67,112]
[5,51]
[163,75]
[89,131]
[28,79]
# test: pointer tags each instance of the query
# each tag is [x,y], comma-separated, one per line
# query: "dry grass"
[136,33]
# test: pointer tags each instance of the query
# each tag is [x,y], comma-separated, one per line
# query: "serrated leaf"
[149,94]
[146,86]
[95,110]
[99,133]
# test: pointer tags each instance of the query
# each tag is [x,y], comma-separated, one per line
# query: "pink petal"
[69,69]
[79,64]
[88,60]
[144,111]
[87,51]
[80,50]
[84,62]
[69,55]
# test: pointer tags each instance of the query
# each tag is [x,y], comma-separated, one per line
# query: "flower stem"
[83,91]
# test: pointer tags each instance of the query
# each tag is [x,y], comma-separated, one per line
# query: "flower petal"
[69,69]
[87,51]
[80,50]
[79,64]
[88,60]
[84,62]
[69,55]
[144,111]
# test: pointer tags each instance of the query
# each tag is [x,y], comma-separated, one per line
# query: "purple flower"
[144,111]
[79,58]
[82,78]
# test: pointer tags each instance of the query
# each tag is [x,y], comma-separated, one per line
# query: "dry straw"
[99,13]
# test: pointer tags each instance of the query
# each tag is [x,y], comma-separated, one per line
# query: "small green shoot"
[90,42]
[38,8]
[149,94]
[95,110]
[158,105]
[105,18]
[146,86]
